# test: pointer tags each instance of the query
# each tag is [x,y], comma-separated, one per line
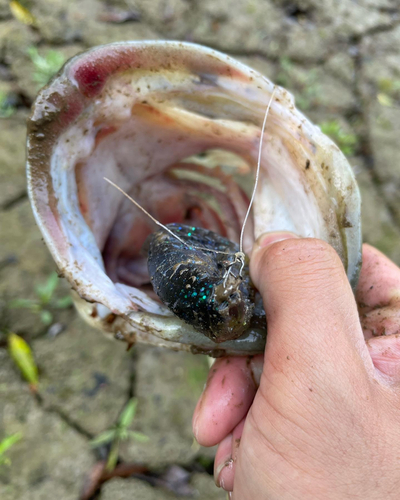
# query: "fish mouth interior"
[211,189]
[183,158]
[149,132]
[147,115]
[163,151]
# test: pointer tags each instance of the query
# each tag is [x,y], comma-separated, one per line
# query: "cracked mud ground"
[342,64]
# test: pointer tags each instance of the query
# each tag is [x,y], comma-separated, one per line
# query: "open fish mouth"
[177,126]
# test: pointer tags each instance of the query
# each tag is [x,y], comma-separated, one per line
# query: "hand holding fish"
[318,415]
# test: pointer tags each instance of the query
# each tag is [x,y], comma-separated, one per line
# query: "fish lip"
[69,93]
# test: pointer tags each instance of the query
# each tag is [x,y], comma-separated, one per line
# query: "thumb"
[311,311]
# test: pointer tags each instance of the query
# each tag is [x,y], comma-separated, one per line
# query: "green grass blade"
[9,441]
[138,436]
[46,290]
[103,438]
[22,304]
[64,302]
[128,414]
[22,356]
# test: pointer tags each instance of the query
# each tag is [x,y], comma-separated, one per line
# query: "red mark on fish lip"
[92,72]
[91,78]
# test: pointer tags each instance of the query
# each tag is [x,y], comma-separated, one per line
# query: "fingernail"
[196,416]
[267,239]
[218,475]
[257,366]
[195,426]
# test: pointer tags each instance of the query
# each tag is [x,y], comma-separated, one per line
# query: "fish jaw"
[130,111]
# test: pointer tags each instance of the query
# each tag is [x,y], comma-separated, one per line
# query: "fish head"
[178,127]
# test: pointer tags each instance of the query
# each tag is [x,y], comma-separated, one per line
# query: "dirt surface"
[342,64]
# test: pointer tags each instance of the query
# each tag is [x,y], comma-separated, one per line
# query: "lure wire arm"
[257,170]
[240,256]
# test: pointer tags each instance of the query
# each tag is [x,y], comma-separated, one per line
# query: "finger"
[379,304]
[381,321]
[229,392]
[379,283]
[313,323]
[223,462]
[225,458]
[317,369]
[385,354]
[378,294]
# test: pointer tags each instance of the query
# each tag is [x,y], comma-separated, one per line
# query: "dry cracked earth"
[340,59]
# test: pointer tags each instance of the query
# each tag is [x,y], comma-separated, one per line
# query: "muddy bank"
[342,66]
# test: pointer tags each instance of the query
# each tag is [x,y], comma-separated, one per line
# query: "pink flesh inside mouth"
[202,194]
[218,203]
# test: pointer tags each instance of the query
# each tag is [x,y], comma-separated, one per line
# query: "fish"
[177,126]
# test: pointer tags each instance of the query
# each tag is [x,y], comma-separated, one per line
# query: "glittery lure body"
[202,282]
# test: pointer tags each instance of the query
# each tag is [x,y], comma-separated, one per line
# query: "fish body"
[146,115]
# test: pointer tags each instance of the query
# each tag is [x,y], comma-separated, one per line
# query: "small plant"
[45,66]
[45,303]
[22,356]
[21,13]
[6,108]
[388,91]
[304,84]
[285,68]
[6,444]
[347,142]
[119,432]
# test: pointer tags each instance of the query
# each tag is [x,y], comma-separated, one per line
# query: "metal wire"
[257,172]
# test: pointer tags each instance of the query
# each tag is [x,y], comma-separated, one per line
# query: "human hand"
[324,422]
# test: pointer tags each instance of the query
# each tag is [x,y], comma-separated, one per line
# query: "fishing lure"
[202,282]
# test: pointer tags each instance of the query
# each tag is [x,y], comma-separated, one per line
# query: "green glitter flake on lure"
[223,311]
